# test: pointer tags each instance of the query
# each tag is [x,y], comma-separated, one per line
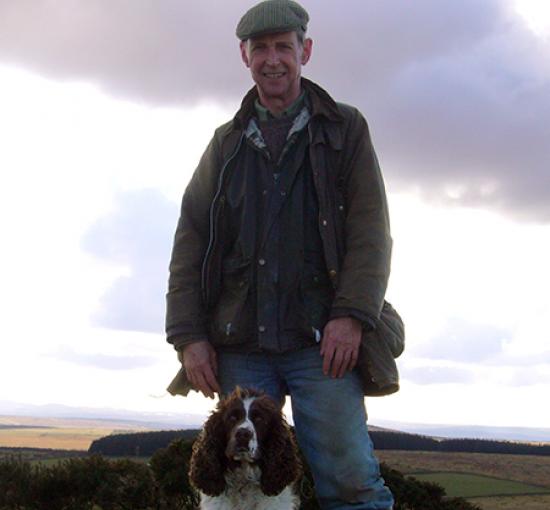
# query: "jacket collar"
[322,104]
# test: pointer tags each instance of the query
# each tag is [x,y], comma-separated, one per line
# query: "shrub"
[95,483]
[170,467]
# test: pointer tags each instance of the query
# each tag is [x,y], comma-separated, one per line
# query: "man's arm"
[185,313]
[366,266]
[365,270]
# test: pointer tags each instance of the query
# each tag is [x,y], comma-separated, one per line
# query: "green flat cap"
[272,16]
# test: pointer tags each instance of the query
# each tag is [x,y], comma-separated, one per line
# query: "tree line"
[146,443]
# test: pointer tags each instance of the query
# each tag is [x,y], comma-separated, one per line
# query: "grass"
[58,433]
[535,502]
[528,469]
[468,485]
[55,438]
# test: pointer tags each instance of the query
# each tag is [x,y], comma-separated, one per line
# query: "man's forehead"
[278,36]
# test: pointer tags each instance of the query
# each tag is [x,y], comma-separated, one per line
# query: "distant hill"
[147,443]
[166,421]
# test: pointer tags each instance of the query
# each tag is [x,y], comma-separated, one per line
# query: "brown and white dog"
[245,457]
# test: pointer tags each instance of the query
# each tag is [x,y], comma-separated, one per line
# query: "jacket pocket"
[231,319]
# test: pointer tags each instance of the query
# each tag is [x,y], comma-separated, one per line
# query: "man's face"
[275,62]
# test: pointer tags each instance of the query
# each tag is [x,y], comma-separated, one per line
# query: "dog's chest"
[243,492]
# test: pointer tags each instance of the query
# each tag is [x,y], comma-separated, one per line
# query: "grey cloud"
[169,52]
[457,93]
[138,234]
[104,361]
[464,341]
[437,375]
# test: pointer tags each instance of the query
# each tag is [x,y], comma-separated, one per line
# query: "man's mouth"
[273,76]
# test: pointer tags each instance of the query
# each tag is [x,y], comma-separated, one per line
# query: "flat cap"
[272,16]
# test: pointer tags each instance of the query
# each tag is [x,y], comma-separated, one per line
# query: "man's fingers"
[339,363]
[339,359]
[346,364]
[203,386]
[212,381]
[208,384]
[214,361]
[327,359]
[354,359]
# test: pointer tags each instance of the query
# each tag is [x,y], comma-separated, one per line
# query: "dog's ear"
[280,463]
[208,461]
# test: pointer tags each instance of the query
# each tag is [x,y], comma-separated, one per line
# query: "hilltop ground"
[528,469]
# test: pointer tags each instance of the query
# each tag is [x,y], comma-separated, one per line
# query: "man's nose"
[272,56]
[243,436]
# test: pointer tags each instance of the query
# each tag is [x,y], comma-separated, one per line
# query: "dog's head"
[246,427]
[248,417]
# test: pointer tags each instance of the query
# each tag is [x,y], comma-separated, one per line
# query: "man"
[281,260]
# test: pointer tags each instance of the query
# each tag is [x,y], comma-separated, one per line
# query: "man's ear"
[306,50]
[244,53]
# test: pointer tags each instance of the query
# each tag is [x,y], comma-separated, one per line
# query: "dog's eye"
[257,418]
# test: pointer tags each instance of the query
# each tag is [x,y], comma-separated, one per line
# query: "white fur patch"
[247,424]
[243,493]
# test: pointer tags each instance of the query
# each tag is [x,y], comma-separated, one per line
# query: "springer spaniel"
[245,457]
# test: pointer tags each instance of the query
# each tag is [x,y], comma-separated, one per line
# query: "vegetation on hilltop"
[146,443]
[94,483]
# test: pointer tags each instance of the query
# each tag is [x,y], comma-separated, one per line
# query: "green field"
[470,486]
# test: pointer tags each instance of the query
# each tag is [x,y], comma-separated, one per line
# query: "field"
[58,434]
[504,482]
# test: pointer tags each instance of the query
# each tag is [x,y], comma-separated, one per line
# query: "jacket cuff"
[366,320]
[180,341]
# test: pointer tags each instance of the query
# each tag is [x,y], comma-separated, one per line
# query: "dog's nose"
[243,436]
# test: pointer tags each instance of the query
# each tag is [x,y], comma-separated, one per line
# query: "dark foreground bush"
[95,483]
[77,484]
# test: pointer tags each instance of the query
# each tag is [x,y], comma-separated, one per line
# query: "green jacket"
[353,223]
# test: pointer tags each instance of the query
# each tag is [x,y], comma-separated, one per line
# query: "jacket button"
[261,262]
[332,273]
[324,223]
[261,329]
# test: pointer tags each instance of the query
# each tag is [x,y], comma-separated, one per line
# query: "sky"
[106,107]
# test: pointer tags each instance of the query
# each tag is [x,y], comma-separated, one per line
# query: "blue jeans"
[329,418]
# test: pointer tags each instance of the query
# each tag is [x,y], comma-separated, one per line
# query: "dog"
[246,457]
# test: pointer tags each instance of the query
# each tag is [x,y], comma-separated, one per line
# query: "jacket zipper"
[204,272]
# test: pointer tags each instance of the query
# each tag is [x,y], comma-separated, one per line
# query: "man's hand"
[201,366]
[340,345]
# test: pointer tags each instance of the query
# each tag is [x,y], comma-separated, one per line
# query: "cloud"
[138,235]
[457,93]
[464,341]
[531,376]
[168,52]
[104,361]
[427,375]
